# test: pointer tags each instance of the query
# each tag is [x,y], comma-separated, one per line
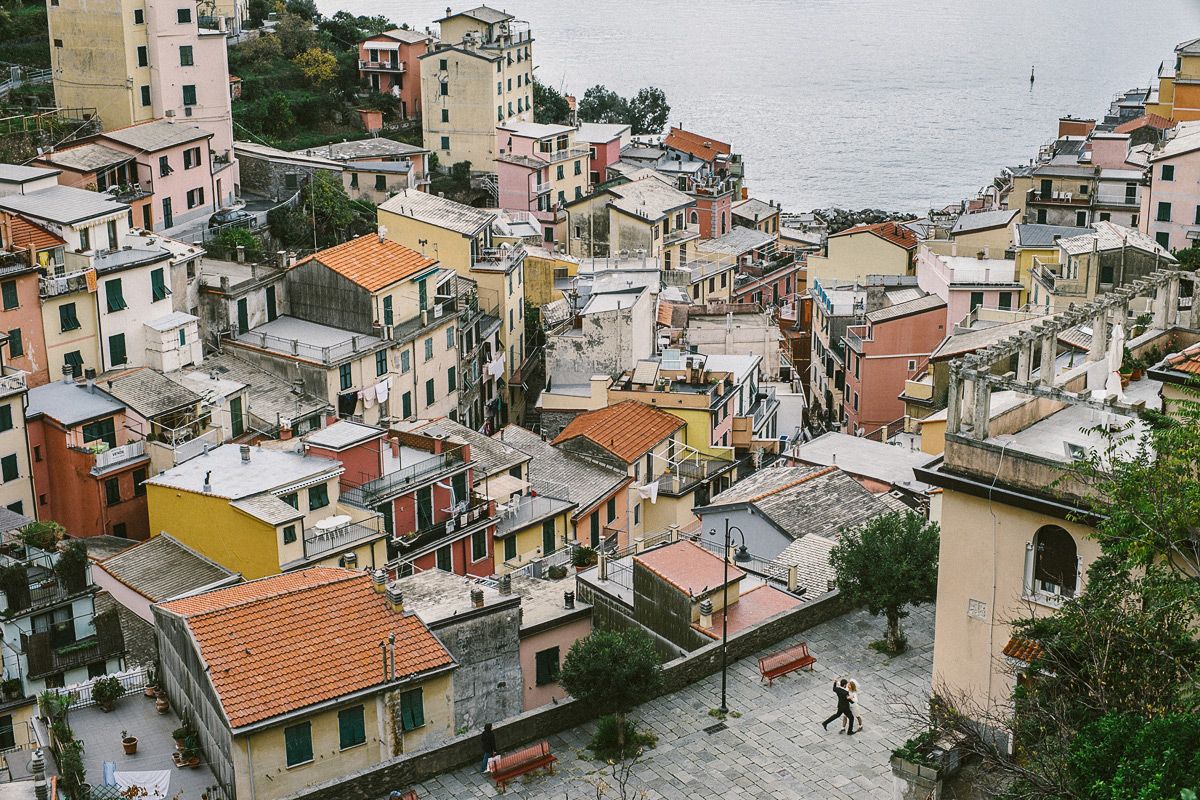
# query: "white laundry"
[381,389]
[368,397]
[156,783]
[649,490]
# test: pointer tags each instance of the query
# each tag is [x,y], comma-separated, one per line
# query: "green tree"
[295,34]
[1189,258]
[305,9]
[258,12]
[325,216]
[601,104]
[890,563]
[277,115]
[549,105]
[612,672]
[258,52]
[225,244]
[648,111]
[319,66]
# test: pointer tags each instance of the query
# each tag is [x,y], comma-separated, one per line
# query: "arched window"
[695,218]
[1052,563]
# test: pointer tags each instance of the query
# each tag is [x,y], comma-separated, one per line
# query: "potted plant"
[1126,373]
[129,743]
[181,736]
[583,557]
[161,704]
[12,688]
[106,692]
[557,572]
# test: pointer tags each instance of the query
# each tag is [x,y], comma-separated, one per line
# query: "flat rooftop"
[230,477]
[863,457]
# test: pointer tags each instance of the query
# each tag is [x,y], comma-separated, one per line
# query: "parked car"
[231,217]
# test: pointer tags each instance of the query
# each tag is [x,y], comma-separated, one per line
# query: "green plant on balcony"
[106,692]
[12,688]
[43,535]
[75,647]
[71,567]
[72,776]
[14,581]
[583,557]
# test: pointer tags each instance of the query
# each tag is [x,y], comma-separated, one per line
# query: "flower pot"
[1125,376]
[1137,374]
[151,691]
[177,759]
[130,745]
[161,705]
[193,762]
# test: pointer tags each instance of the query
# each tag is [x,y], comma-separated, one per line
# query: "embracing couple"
[847,705]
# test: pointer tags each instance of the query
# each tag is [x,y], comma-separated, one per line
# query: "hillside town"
[318,482]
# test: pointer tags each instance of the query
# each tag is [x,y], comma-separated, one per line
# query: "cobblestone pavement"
[776,749]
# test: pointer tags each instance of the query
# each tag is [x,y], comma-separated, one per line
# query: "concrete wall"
[853,257]
[487,684]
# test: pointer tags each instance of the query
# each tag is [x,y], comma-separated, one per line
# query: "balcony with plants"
[40,568]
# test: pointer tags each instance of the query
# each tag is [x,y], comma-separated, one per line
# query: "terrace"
[373,492]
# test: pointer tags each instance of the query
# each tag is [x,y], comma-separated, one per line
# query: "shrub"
[583,557]
[605,744]
[107,691]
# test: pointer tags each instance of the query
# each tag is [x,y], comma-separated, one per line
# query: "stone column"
[1172,301]
[1049,345]
[1024,359]
[1160,305]
[953,402]
[1099,337]
[983,409]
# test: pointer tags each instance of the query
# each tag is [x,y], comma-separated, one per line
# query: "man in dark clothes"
[488,742]
[843,705]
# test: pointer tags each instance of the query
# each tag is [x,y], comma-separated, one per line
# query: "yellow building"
[529,527]
[885,248]
[461,237]
[1036,242]
[260,511]
[1176,94]
[479,75]
[547,275]
[299,701]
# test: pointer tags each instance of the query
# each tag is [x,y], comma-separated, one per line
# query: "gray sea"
[899,104]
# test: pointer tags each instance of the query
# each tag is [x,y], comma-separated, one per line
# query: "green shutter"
[298,743]
[510,548]
[351,728]
[113,295]
[6,418]
[429,393]
[10,294]
[158,285]
[318,496]
[8,468]
[412,710]
[16,346]
[116,349]
[451,379]
[547,666]
[67,319]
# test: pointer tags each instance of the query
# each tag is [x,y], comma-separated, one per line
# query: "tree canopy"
[890,563]
[646,112]
[612,672]
[549,105]
[325,216]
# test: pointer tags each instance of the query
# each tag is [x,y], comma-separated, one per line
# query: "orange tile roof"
[283,643]
[24,233]
[1186,361]
[704,148]
[893,232]
[372,263]
[1145,121]
[628,430]
[1023,649]
[688,567]
[752,607]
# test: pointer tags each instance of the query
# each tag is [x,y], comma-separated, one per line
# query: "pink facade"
[562,637]
[1170,211]
[773,288]
[881,355]
[389,64]
[604,154]
[519,186]
[1109,150]
[189,186]
[965,282]
[713,214]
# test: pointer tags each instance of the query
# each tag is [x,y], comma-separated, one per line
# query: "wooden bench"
[779,664]
[517,763]
[411,794]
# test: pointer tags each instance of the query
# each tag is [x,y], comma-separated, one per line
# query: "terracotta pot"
[194,762]
[1137,374]
[150,691]
[161,705]
[130,745]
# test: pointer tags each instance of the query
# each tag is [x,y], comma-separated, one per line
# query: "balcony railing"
[118,455]
[45,658]
[63,284]
[566,153]
[682,234]
[319,542]
[854,340]
[1118,200]
[328,354]
[12,380]
[1058,197]
[517,514]
[497,258]
[474,513]
[374,492]
[542,188]
[381,66]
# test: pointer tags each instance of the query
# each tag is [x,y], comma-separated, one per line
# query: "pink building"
[1109,150]
[968,282]
[891,347]
[1171,204]
[540,168]
[605,141]
[388,63]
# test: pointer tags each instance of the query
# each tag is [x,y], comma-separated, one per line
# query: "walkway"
[776,749]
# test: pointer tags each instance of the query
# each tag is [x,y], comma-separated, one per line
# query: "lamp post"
[743,555]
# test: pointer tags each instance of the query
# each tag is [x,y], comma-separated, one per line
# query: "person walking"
[843,705]
[855,708]
[487,741]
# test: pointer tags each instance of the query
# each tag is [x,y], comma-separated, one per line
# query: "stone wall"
[404,771]
[487,684]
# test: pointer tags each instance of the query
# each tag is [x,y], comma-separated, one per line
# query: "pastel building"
[604,140]
[16,474]
[539,169]
[389,63]
[968,282]
[1170,208]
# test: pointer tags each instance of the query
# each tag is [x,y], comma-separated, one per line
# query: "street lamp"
[742,556]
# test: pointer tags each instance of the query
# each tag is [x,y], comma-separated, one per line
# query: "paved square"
[776,749]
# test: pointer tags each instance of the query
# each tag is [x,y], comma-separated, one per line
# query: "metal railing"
[517,514]
[12,380]
[680,234]
[538,567]
[566,153]
[80,694]
[318,542]
[499,257]
[1116,200]
[328,354]
[381,66]
[373,492]
[194,447]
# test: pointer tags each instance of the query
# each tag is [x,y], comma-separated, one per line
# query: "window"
[291,180]
[184,15]
[112,234]
[442,64]
[158,285]
[185,55]
[116,349]
[191,157]
[451,380]
[976,300]
[558,172]
[429,348]
[443,558]
[1168,172]
[58,42]
[429,393]
[74,360]
[1197,218]
[381,362]
[142,57]
[8,468]
[547,662]
[1080,219]
[445,115]
[345,380]
[611,509]
[479,545]
[139,17]
[1006,300]
[195,197]
[445,89]
[139,482]
[405,361]
[450,338]
[351,729]
[1105,216]
[103,430]
[412,710]
[189,94]
[85,238]
[318,496]
[380,183]
[292,499]
[445,142]
[145,95]
[406,408]
[510,548]
[9,291]
[164,167]
[1052,563]
[182,337]
[6,423]
[594,526]
[353,180]
[1164,240]
[289,534]
[297,741]
[1164,212]
[112,491]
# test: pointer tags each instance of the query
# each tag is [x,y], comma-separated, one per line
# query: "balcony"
[115,456]
[1117,200]
[381,66]
[566,154]
[499,259]
[525,510]
[63,284]
[12,380]
[1048,275]
[1057,197]
[469,517]
[379,490]
[441,309]
[854,339]
[686,233]
[318,542]
[683,476]
[45,658]
[919,390]
[542,188]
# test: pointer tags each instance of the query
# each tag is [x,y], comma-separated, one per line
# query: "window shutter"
[1028,569]
[298,743]
[6,422]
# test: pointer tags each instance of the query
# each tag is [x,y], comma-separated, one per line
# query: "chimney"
[395,597]
[281,258]
[477,598]
[241,253]
[706,614]
[568,599]
[245,453]
[379,581]
[37,768]
[68,373]
[207,486]
[505,584]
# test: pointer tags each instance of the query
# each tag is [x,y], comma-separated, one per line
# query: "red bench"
[517,763]
[779,664]
[411,794]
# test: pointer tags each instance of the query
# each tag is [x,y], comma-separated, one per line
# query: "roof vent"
[245,453]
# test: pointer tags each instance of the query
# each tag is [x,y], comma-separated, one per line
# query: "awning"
[503,486]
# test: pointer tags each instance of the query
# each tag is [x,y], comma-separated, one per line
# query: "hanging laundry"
[381,389]
[649,490]
[368,397]
[347,402]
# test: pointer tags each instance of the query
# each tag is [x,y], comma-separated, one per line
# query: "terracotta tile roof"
[705,149]
[286,642]
[23,233]
[688,567]
[628,430]
[894,232]
[1023,649]
[372,263]
[1186,361]
[752,607]
[1145,121]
